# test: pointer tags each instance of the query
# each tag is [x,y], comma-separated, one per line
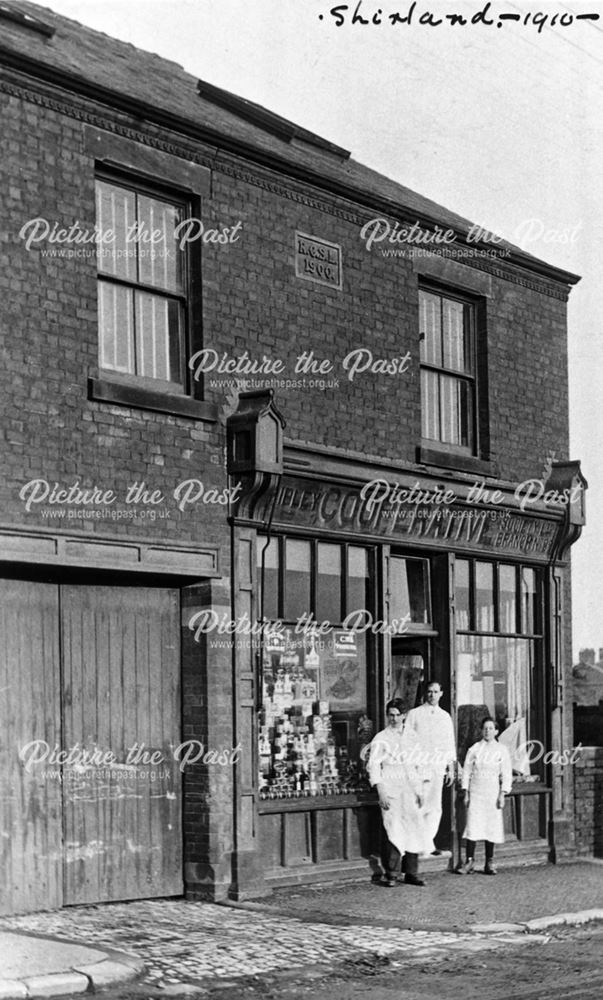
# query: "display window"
[409,593]
[498,657]
[315,669]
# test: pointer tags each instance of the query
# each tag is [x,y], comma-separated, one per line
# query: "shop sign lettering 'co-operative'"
[333,507]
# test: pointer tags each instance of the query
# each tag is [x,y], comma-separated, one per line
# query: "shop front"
[362,595]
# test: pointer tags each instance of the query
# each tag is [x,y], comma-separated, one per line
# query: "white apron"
[395,763]
[486,773]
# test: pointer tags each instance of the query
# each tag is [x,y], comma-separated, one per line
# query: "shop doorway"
[410,669]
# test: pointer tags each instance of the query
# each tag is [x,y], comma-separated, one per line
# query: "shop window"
[494,678]
[497,655]
[358,582]
[507,598]
[329,582]
[315,673]
[409,593]
[448,371]
[528,600]
[268,563]
[142,286]
[463,596]
[297,579]
[484,597]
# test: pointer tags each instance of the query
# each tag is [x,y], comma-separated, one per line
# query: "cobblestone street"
[193,943]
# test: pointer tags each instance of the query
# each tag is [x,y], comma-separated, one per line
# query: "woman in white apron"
[487,778]
[396,770]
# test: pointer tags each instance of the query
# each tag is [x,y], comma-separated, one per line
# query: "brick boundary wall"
[588,801]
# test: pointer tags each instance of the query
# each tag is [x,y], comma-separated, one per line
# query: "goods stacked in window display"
[305,748]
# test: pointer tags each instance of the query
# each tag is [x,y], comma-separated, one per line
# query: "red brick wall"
[50,429]
[588,801]
[48,314]
[252,300]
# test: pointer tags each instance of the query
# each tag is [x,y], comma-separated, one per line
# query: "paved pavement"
[194,942]
[40,956]
[34,965]
[453,902]
[197,945]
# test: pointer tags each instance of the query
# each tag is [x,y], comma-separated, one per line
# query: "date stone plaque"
[317,260]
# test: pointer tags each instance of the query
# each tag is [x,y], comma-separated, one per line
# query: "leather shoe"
[436,853]
[413,880]
[388,882]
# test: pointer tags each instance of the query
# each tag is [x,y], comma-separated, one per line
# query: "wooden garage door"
[88,669]
[30,793]
[121,696]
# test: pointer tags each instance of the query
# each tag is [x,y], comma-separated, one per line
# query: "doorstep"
[512,854]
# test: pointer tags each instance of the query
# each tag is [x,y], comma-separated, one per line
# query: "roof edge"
[116,99]
[266,119]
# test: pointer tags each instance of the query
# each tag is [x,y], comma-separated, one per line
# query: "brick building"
[588,678]
[587,698]
[372,462]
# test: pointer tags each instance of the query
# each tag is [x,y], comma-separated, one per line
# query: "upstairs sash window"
[448,379]
[142,286]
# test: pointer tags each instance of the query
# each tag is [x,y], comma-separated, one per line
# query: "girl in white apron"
[487,778]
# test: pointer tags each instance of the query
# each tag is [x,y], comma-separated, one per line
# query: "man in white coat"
[395,770]
[435,732]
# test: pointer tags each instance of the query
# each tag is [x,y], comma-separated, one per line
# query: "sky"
[502,125]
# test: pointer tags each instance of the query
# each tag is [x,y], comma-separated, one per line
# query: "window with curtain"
[498,648]
[448,370]
[142,285]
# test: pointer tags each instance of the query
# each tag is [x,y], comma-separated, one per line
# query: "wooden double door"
[90,719]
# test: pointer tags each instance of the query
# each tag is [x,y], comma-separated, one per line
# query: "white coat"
[435,732]
[395,763]
[486,773]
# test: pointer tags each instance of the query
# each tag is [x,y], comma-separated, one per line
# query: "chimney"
[587,656]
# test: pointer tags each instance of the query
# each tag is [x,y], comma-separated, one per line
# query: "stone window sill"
[429,455]
[104,390]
